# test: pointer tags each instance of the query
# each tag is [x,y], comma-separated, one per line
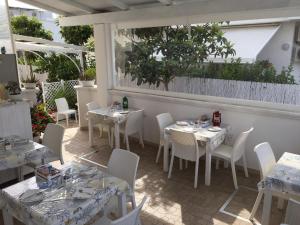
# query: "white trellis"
[51,90]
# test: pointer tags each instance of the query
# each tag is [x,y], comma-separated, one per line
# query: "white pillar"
[103,55]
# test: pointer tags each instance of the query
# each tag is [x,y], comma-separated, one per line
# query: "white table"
[211,139]
[282,181]
[58,206]
[22,154]
[117,117]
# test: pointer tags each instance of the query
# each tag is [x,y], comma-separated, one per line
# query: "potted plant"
[14,90]
[88,78]
[39,120]
[29,82]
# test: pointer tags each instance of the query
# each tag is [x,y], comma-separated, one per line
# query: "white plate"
[32,196]
[215,129]
[182,123]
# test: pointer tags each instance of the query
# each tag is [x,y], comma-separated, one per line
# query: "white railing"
[54,90]
[268,92]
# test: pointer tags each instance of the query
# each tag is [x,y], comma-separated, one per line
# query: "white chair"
[185,146]
[267,161]
[292,215]
[133,125]
[234,153]
[123,164]
[132,218]
[63,109]
[163,120]
[103,124]
[53,138]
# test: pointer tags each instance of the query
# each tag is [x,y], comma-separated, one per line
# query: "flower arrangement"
[40,118]
[13,88]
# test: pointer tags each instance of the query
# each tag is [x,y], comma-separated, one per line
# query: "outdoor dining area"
[190,117]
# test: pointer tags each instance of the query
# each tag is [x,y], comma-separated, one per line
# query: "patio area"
[175,201]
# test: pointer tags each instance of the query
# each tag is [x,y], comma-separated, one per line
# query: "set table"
[22,154]
[59,207]
[115,116]
[212,141]
[282,181]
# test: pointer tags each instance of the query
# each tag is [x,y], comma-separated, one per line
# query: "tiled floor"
[175,201]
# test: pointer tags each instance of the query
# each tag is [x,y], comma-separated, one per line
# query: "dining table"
[207,136]
[116,116]
[282,181]
[75,200]
[20,154]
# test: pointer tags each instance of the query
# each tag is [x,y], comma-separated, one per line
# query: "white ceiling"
[82,7]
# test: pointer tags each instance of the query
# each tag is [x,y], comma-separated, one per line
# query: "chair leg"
[76,117]
[112,137]
[180,164]
[62,161]
[280,203]
[256,204]
[67,119]
[141,139]
[217,164]
[171,166]
[234,175]
[100,126]
[20,173]
[109,137]
[245,166]
[158,153]
[196,173]
[127,142]
[186,163]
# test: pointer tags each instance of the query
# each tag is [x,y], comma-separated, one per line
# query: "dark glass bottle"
[125,102]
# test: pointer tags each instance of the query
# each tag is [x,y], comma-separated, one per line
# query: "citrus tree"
[157,55]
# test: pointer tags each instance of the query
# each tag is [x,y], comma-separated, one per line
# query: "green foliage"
[259,71]
[76,35]
[29,26]
[29,79]
[89,74]
[63,93]
[160,54]
[58,67]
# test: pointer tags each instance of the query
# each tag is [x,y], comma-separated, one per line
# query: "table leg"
[207,165]
[117,134]
[7,217]
[267,207]
[122,204]
[91,131]
[166,153]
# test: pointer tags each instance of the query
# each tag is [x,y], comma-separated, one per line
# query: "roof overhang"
[147,13]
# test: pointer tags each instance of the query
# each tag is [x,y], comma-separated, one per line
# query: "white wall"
[273,50]
[282,132]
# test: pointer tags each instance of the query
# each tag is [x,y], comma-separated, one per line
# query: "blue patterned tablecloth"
[59,207]
[285,176]
[24,153]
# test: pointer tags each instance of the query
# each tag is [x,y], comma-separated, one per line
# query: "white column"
[103,54]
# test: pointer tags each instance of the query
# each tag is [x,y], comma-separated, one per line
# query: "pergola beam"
[79,6]
[120,5]
[195,12]
[166,2]
[47,7]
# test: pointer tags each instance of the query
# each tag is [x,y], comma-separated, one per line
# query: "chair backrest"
[132,217]
[240,144]
[123,164]
[184,145]
[292,216]
[265,157]
[53,138]
[164,120]
[92,105]
[134,122]
[61,104]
